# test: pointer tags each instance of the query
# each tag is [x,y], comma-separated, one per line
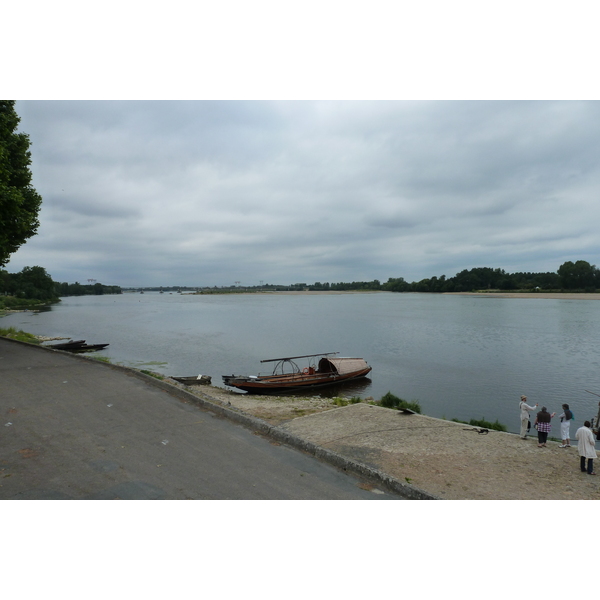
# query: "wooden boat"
[323,369]
[194,380]
[67,345]
[78,346]
[88,348]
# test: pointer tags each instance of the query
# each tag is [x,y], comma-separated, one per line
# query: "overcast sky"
[215,192]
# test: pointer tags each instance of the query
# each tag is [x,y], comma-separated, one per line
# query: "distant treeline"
[578,276]
[571,276]
[77,289]
[33,284]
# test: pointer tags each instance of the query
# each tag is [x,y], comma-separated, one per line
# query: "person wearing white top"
[525,410]
[586,445]
[565,426]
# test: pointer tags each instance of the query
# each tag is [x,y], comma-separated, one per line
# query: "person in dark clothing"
[543,425]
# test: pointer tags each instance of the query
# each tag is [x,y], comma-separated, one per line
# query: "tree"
[578,275]
[19,202]
[35,283]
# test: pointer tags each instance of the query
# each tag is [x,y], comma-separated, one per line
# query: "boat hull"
[194,380]
[87,348]
[276,384]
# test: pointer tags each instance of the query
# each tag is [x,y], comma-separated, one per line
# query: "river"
[459,356]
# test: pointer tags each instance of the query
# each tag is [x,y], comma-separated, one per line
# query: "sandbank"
[536,295]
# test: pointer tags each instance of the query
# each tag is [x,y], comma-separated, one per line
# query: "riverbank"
[446,459]
[536,295]
[439,458]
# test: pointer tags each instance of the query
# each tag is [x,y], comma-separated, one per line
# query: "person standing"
[525,410]
[586,445]
[543,425]
[565,426]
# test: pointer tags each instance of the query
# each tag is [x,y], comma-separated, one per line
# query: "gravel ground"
[449,460]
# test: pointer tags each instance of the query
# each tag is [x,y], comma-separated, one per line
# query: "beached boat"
[194,380]
[77,346]
[88,348]
[322,369]
[67,345]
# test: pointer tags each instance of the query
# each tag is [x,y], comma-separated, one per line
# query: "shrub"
[19,335]
[487,425]
[496,426]
[390,401]
[345,401]
[152,374]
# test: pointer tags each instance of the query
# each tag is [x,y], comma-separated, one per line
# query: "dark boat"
[78,346]
[67,345]
[194,380]
[323,369]
[88,348]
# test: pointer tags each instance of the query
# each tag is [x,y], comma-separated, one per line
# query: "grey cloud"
[295,191]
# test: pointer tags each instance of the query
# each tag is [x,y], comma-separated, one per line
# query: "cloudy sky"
[306,142]
[215,192]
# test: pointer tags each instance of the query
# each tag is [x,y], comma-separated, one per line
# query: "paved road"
[78,429]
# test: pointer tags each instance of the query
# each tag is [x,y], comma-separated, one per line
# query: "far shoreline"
[482,294]
[536,295]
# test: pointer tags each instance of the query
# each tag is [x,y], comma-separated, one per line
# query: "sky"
[301,142]
[209,192]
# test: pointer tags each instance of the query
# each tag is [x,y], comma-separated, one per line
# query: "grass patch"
[20,335]
[496,426]
[103,359]
[345,401]
[152,374]
[154,363]
[390,401]
[12,303]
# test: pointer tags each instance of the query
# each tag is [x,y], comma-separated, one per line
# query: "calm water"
[459,356]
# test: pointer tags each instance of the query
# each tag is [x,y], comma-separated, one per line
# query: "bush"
[496,426]
[19,335]
[12,303]
[345,401]
[390,401]
[487,425]
[152,374]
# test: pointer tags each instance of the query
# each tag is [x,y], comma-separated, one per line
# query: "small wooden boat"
[78,346]
[67,345]
[323,369]
[194,380]
[88,348]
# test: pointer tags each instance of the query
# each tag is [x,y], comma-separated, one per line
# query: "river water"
[459,356]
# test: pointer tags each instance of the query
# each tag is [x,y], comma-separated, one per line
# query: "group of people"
[586,442]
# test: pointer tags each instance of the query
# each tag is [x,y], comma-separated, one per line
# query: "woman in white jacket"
[525,410]
[586,444]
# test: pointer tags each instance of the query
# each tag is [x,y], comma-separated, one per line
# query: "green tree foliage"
[19,202]
[396,284]
[32,283]
[356,285]
[579,275]
[76,289]
[389,400]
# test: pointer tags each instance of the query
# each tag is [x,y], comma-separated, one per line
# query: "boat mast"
[294,357]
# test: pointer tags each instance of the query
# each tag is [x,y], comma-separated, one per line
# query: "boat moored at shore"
[322,369]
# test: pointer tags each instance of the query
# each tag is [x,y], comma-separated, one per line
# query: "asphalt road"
[73,428]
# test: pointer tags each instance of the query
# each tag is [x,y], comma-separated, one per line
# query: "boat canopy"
[342,366]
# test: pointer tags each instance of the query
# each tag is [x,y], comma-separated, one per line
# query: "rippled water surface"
[459,356]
